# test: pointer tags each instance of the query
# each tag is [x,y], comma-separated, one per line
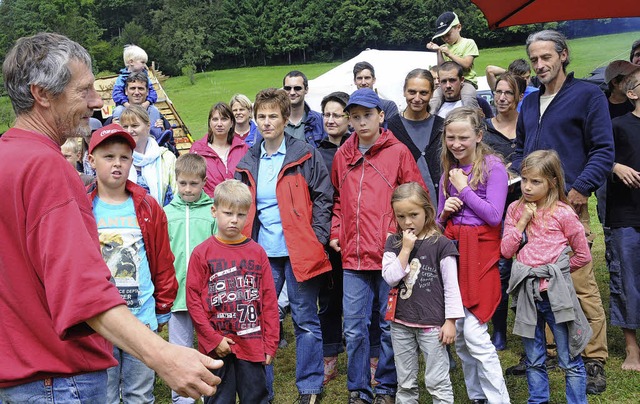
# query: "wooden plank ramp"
[181,133]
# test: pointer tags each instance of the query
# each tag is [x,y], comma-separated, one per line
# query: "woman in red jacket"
[221,149]
[291,219]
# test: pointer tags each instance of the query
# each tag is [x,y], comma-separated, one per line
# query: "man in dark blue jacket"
[304,123]
[571,117]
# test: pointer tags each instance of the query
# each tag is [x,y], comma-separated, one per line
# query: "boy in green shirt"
[190,223]
[461,50]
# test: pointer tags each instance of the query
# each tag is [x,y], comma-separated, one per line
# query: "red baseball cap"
[107,132]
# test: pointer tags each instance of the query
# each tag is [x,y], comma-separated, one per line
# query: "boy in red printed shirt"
[232,300]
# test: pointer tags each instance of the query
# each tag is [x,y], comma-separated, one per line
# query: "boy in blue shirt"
[190,223]
[135,60]
[134,243]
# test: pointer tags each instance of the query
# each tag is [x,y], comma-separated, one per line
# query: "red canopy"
[504,13]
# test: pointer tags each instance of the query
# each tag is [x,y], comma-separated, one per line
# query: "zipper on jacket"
[186,250]
[292,200]
[358,214]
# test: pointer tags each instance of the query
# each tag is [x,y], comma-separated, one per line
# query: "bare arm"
[465,61]
[627,175]
[183,369]
[493,72]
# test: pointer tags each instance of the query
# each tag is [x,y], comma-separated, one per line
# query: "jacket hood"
[351,152]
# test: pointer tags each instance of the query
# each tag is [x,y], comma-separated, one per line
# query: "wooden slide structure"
[181,134]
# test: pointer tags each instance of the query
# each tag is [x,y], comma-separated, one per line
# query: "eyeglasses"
[295,88]
[634,87]
[335,117]
[500,93]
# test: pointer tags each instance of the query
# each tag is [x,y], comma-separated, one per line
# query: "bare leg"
[632,361]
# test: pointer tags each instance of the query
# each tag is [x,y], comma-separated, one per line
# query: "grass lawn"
[193,101]
[622,387]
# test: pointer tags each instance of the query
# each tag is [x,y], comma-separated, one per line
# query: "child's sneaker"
[330,368]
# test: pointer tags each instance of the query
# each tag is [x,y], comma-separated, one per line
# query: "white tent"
[391,68]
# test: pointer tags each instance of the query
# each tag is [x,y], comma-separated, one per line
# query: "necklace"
[419,119]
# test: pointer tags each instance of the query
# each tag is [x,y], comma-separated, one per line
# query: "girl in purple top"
[473,190]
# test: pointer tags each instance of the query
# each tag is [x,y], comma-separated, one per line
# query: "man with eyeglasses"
[304,123]
[571,117]
[364,76]
[451,80]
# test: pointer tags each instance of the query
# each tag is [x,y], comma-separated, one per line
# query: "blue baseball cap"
[445,22]
[364,97]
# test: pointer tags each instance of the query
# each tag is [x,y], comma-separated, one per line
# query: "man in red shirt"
[55,292]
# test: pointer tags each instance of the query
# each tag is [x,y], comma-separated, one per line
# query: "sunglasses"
[295,88]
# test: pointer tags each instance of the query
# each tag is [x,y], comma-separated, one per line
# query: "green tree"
[363,23]
[73,18]
[183,41]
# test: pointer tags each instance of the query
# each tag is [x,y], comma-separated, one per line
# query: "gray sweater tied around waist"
[524,287]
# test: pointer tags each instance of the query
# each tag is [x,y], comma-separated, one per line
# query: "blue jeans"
[499,318]
[181,332]
[535,349]
[83,388]
[360,288]
[303,300]
[131,378]
[241,377]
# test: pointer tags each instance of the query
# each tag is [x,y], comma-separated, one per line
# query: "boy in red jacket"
[232,300]
[135,245]
[366,169]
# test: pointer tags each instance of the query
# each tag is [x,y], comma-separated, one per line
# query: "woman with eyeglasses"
[501,136]
[336,128]
[221,149]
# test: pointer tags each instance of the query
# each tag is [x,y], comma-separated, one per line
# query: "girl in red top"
[473,190]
